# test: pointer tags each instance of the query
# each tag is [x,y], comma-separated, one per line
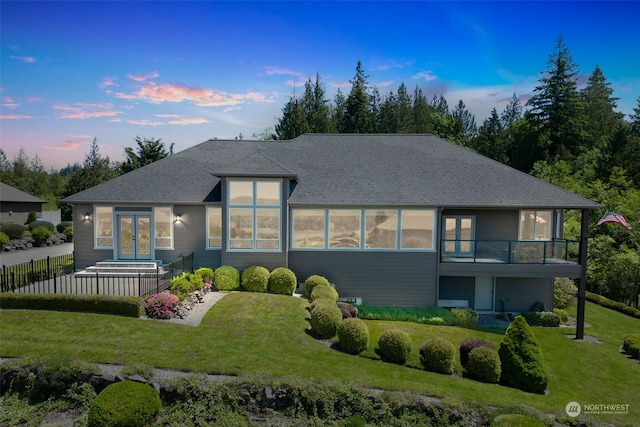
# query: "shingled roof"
[340,169]
[11,194]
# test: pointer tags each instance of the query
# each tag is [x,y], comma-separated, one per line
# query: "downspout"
[438,251]
[582,287]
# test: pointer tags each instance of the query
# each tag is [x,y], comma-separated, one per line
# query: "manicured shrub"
[46,224]
[40,233]
[353,335]
[161,306]
[325,319]
[31,217]
[282,281]
[521,357]
[185,283]
[423,315]
[319,301]
[347,310]
[63,225]
[4,239]
[437,354]
[226,278]
[564,316]
[542,318]
[109,304]
[484,365]
[14,231]
[312,282]
[68,232]
[631,345]
[124,404]
[614,305]
[394,346]
[564,291]
[323,291]
[467,345]
[255,279]
[520,420]
[466,317]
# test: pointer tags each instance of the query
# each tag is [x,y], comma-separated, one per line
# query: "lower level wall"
[458,288]
[393,279]
[514,294]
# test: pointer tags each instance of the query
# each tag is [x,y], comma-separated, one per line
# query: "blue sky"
[189,71]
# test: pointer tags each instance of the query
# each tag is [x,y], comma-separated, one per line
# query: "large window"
[254,214]
[163,228]
[214,227]
[104,227]
[368,229]
[535,225]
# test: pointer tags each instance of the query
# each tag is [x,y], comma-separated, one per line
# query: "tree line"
[569,136]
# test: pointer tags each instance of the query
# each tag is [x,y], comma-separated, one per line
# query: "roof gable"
[12,194]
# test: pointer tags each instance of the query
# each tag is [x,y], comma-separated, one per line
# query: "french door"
[458,235]
[134,237]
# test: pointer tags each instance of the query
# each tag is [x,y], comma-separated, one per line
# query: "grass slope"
[247,332]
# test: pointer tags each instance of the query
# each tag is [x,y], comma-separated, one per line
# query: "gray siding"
[402,279]
[458,288]
[519,294]
[491,224]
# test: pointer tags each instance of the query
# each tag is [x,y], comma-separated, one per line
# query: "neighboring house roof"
[340,169]
[11,194]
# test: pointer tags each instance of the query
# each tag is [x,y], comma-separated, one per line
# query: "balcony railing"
[510,251]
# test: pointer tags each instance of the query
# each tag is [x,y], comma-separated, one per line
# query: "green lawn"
[248,332]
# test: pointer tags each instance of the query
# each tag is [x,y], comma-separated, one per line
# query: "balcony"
[509,251]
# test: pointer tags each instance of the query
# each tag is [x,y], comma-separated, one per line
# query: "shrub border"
[108,304]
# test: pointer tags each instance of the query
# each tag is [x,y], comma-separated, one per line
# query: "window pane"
[214,216]
[241,192]
[344,228]
[308,228]
[450,233]
[466,234]
[543,225]
[104,226]
[527,221]
[535,225]
[268,224]
[268,193]
[417,229]
[381,229]
[241,224]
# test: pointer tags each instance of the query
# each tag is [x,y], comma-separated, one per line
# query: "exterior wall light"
[87,216]
[178,217]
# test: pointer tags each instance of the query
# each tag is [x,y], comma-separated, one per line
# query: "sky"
[189,71]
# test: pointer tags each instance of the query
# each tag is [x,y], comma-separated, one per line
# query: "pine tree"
[338,112]
[148,151]
[357,118]
[635,118]
[388,117]
[489,141]
[600,106]
[464,124]
[405,112]
[556,108]
[316,107]
[512,112]
[293,121]
[421,113]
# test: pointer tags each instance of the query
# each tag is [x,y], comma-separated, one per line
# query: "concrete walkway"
[18,257]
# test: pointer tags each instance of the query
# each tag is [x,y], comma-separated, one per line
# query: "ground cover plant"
[424,315]
[249,332]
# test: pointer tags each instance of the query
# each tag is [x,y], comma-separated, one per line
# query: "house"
[15,205]
[395,220]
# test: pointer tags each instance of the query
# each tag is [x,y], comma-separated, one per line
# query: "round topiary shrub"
[323,291]
[325,319]
[46,224]
[394,346]
[63,225]
[124,404]
[205,274]
[353,335]
[282,281]
[467,345]
[185,283]
[255,279]
[564,291]
[161,305]
[312,282]
[14,231]
[484,365]
[436,355]
[325,301]
[521,357]
[226,278]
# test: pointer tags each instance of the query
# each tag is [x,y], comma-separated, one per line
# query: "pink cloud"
[144,122]
[189,121]
[159,93]
[107,81]
[8,102]
[13,117]
[68,145]
[143,77]
[27,59]
[85,111]
[168,116]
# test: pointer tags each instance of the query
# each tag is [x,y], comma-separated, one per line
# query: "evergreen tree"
[556,108]
[464,124]
[405,111]
[600,105]
[512,112]
[357,118]
[489,141]
[338,112]
[376,104]
[319,117]
[148,151]
[440,104]
[421,113]
[635,118]
[293,121]
[388,117]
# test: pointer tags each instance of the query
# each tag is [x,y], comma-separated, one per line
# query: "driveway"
[18,257]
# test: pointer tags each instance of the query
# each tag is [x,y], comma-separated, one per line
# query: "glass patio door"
[134,232]
[458,235]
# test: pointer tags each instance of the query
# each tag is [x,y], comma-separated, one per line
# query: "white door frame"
[485,287]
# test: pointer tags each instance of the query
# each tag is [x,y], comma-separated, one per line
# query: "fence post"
[55,283]
[158,280]
[97,284]
[13,281]
[139,284]
[48,266]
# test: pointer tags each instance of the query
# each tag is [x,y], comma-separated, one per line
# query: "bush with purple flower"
[161,305]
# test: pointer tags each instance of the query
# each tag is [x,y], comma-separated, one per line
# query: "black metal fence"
[56,275]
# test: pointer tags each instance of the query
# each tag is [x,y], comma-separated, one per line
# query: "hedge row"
[614,305]
[108,304]
[631,345]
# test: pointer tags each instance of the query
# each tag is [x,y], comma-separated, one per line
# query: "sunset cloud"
[168,116]
[189,121]
[69,145]
[13,117]
[26,59]
[85,111]
[144,123]
[107,82]
[8,102]
[143,77]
